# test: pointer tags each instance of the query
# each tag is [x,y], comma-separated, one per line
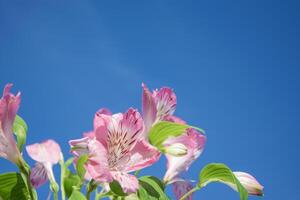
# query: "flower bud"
[176,149]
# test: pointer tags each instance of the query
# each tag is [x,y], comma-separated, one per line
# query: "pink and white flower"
[116,149]
[194,142]
[46,154]
[9,105]
[249,182]
[180,151]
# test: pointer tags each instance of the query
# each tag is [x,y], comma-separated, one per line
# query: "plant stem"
[25,172]
[190,192]
[62,176]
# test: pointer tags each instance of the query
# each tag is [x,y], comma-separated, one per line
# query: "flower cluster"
[113,152]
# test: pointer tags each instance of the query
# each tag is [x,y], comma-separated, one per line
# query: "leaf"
[71,180]
[76,195]
[20,130]
[164,129]
[152,187]
[80,165]
[12,187]
[218,172]
[116,188]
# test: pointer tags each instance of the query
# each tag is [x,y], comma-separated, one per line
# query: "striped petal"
[38,175]
[123,132]
[165,100]
[141,156]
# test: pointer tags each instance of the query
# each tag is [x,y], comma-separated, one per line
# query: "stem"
[190,192]
[55,195]
[25,172]
[90,188]
[62,176]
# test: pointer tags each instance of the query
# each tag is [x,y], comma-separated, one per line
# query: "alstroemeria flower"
[181,187]
[9,105]
[116,149]
[249,182]
[46,154]
[181,151]
[194,143]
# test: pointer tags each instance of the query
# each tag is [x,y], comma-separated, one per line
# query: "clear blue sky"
[233,64]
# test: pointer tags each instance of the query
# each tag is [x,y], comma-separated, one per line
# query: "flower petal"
[38,175]
[194,142]
[128,182]
[180,188]
[9,105]
[165,100]
[97,166]
[79,146]
[47,151]
[249,182]
[148,108]
[142,155]
[123,132]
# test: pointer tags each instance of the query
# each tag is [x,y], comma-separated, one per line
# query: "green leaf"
[152,187]
[80,166]
[20,130]
[116,188]
[71,180]
[12,187]
[76,195]
[218,172]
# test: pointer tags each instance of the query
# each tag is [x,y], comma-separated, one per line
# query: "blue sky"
[234,66]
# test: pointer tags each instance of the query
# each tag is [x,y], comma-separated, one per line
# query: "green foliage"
[12,187]
[70,181]
[80,165]
[217,172]
[20,130]
[76,195]
[151,188]
[116,188]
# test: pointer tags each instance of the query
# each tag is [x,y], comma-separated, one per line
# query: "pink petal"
[165,100]
[180,188]
[142,155]
[148,108]
[194,141]
[128,182]
[9,105]
[249,182]
[101,121]
[122,134]
[79,146]
[172,118]
[38,175]
[47,151]
[97,165]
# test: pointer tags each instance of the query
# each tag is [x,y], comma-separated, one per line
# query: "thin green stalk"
[62,176]
[189,193]
[25,173]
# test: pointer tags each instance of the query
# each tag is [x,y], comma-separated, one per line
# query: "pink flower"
[157,106]
[116,149]
[180,188]
[181,151]
[46,154]
[9,105]
[249,182]
[194,142]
